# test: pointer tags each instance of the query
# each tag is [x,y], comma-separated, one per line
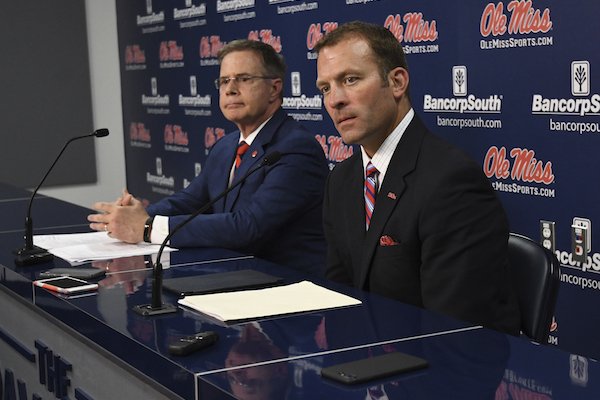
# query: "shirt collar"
[250,138]
[382,157]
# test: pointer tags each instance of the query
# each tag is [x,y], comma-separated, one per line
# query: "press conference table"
[94,346]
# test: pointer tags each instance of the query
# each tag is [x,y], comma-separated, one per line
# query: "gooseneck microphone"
[157,307]
[30,254]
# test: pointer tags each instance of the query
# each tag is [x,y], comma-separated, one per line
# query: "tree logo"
[580,78]
[459,80]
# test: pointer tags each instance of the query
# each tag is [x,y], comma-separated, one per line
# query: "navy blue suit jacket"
[276,214]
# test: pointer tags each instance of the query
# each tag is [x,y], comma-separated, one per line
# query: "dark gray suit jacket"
[438,234]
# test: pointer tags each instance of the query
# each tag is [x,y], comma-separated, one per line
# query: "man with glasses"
[276,213]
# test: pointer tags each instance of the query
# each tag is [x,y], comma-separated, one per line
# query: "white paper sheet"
[82,247]
[250,304]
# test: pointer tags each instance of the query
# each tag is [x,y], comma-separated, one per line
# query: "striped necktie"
[370,191]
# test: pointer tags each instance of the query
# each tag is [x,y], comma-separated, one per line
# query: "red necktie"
[242,148]
[370,191]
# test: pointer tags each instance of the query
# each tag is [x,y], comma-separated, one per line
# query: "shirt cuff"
[160,229]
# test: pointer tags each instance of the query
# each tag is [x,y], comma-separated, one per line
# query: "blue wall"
[513,83]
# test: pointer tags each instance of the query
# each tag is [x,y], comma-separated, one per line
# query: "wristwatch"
[148,229]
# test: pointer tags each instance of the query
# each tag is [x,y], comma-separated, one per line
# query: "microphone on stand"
[30,254]
[157,307]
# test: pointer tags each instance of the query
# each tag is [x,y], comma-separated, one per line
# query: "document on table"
[250,304]
[83,247]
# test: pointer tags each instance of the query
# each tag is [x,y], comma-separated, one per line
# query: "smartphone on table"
[66,285]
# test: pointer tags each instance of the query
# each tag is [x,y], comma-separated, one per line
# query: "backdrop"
[510,82]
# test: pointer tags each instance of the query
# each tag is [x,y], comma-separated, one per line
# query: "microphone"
[30,254]
[157,307]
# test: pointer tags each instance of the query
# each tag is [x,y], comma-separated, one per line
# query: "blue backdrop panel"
[510,82]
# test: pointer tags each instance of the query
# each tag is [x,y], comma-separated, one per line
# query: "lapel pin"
[392,195]
[254,153]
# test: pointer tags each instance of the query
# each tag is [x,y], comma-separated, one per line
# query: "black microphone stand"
[30,254]
[157,307]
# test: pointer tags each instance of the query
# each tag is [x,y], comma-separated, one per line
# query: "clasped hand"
[122,219]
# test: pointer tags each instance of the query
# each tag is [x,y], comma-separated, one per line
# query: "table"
[94,346]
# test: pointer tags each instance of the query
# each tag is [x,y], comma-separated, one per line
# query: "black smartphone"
[75,272]
[368,369]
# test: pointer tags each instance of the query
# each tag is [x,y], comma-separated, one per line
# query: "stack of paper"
[250,304]
[83,247]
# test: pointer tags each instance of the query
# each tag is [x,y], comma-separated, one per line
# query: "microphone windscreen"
[272,158]
[101,132]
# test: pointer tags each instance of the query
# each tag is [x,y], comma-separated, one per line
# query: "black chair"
[535,271]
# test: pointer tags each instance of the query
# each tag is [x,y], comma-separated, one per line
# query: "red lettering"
[313,36]
[528,169]
[338,151]
[392,23]
[180,137]
[168,135]
[204,47]
[418,30]
[496,164]
[209,137]
[493,20]
[321,140]
[524,19]
[163,52]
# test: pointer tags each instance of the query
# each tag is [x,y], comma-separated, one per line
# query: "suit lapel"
[394,185]
[253,156]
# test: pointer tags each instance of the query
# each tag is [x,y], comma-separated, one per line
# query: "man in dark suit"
[276,213]
[410,217]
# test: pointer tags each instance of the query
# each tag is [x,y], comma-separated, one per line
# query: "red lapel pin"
[391,195]
[254,153]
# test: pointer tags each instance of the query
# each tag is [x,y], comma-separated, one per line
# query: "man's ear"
[398,79]
[276,89]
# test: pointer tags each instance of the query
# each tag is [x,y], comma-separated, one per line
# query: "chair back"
[535,271]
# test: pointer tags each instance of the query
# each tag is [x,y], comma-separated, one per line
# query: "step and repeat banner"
[515,83]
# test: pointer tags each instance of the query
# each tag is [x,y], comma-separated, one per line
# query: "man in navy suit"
[276,213]
[410,216]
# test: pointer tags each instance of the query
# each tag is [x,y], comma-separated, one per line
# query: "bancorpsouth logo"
[524,19]
[195,100]
[155,99]
[233,5]
[266,36]
[581,104]
[191,11]
[151,17]
[159,179]
[299,100]
[525,167]
[462,102]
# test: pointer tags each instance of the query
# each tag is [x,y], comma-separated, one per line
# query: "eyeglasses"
[242,80]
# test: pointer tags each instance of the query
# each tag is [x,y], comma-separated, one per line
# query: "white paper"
[249,304]
[82,247]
